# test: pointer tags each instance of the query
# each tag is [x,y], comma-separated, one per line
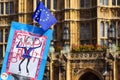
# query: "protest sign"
[26,51]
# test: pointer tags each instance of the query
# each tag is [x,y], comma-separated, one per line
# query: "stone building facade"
[88,22]
[82,66]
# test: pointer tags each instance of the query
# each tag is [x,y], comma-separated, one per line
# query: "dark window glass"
[81,3]
[94,42]
[6,35]
[118,29]
[87,42]
[38,1]
[11,7]
[82,42]
[1,35]
[7,8]
[118,13]
[118,2]
[1,51]
[87,31]
[87,3]
[55,4]
[93,30]
[55,34]
[113,2]
[119,42]
[43,1]
[82,36]
[2,8]
[102,29]
[48,4]
[95,2]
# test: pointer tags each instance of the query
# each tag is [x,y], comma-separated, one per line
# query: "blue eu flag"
[43,16]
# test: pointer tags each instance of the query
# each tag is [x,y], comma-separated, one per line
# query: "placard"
[27,51]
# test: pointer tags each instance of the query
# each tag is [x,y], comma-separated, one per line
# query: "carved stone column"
[51,70]
[68,70]
[115,69]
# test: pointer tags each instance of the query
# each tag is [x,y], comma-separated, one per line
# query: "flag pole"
[33,26]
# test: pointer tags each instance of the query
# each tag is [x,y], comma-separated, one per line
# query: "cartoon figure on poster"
[27,49]
[26,53]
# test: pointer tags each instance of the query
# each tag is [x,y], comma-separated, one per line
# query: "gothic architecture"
[88,22]
[82,66]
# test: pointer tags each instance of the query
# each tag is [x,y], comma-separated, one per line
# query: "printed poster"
[26,52]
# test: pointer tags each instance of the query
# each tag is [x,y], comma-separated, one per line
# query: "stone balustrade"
[86,55]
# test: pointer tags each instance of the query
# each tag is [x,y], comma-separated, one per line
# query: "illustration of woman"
[27,50]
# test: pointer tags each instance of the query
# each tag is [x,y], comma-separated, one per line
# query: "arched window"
[102,29]
[106,29]
[81,3]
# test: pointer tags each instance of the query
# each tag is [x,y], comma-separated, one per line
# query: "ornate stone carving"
[79,62]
